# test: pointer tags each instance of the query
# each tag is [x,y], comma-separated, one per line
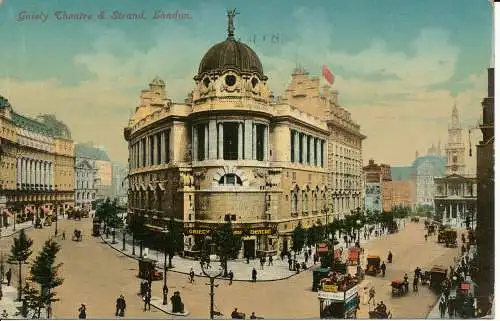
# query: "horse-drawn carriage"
[147,270]
[448,236]
[437,276]
[399,287]
[77,235]
[415,219]
[372,265]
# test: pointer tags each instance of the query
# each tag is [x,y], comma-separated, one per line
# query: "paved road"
[96,274]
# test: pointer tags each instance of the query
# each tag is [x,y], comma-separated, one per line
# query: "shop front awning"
[7,212]
[46,211]
[154,227]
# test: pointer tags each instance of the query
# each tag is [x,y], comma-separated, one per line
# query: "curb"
[203,276]
[15,232]
[163,308]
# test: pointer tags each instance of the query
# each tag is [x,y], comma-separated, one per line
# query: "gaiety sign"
[237,230]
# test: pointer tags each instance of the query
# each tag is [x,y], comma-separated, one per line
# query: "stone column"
[205,152]
[43,174]
[40,173]
[318,152]
[18,172]
[266,143]
[297,149]
[254,141]
[162,153]
[23,170]
[51,175]
[304,149]
[240,141]
[155,149]
[312,146]
[27,174]
[248,139]
[212,139]
[220,140]
[195,143]
[32,172]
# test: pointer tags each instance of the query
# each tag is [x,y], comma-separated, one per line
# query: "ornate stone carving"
[262,173]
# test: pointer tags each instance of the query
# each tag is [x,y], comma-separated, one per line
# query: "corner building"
[37,165]
[234,152]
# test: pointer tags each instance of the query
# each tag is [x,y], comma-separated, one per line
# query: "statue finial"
[231,13]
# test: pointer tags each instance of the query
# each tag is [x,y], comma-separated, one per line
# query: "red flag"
[328,75]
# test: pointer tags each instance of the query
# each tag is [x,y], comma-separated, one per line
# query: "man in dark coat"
[9,276]
[383,268]
[442,307]
[231,276]
[254,275]
[147,300]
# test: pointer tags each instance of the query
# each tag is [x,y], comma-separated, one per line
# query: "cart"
[147,270]
[399,287]
[380,314]
[373,265]
[77,236]
[438,275]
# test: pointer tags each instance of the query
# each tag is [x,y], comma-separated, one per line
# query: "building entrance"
[249,248]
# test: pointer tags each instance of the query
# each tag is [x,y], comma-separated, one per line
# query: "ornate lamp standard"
[212,271]
[358,224]
[165,287]
[113,233]
[124,234]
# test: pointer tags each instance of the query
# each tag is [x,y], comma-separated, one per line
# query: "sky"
[400,66]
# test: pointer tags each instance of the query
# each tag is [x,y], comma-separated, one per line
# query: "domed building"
[235,152]
[37,166]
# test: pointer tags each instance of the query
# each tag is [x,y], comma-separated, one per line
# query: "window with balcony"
[230,141]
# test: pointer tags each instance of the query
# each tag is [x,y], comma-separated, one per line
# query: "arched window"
[159,198]
[230,179]
[295,202]
[315,202]
[78,195]
[305,206]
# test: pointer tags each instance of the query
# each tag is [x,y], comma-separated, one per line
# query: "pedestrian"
[306,257]
[270,260]
[5,315]
[389,257]
[425,236]
[147,300]
[290,263]
[64,235]
[463,249]
[9,276]
[442,307]
[191,276]
[418,271]
[315,258]
[248,259]
[82,312]
[309,252]
[231,276]
[415,284]
[371,297]
[254,275]
[383,268]
[451,307]
[253,316]
[118,301]
[262,262]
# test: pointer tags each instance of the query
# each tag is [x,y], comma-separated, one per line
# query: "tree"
[20,251]
[136,227]
[314,234]
[174,239]
[228,244]
[44,271]
[298,238]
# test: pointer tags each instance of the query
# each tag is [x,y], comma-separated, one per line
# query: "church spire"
[455,122]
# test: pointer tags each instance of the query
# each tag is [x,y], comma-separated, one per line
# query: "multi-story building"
[377,195]
[120,181]
[234,152]
[103,177]
[402,194]
[426,169]
[37,165]
[85,182]
[455,198]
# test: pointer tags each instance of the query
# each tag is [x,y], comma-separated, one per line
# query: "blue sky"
[399,64]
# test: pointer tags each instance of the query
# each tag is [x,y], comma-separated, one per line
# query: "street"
[96,274]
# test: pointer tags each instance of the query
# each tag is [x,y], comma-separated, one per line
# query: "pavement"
[9,230]
[241,270]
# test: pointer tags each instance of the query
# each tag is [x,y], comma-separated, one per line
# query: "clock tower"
[455,148]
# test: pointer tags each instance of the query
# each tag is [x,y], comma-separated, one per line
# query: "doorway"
[249,248]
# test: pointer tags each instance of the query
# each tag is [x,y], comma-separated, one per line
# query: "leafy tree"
[228,244]
[44,271]
[136,227]
[314,234]
[298,238]
[20,251]
[174,239]
[32,301]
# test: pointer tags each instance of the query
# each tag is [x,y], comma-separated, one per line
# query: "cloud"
[391,93]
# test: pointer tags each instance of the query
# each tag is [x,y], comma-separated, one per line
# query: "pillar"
[32,172]
[155,149]
[28,171]
[304,149]
[51,166]
[162,152]
[248,139]
[23,171]
[18,172]
[254,141]
[195,143]
[220,140]
[240,141]
[312,145]
[148,151]
[44,175]
[205,152]
[266,142]
[212,139]
[296,144]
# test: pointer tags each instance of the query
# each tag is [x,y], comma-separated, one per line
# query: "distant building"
[119,181]
[85,182]
[103,178]
[426,169]
[376,178]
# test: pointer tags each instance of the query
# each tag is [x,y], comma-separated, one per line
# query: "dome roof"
[230,54]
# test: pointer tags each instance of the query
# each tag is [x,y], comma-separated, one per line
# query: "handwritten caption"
[61,15]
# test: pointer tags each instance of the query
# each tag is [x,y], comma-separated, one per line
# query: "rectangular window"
[167,146]
[260,142]
[151,150]
[230,141]
[158,148]
[292,146]
[200,132]
[322,153]
[315,147]
[308,156]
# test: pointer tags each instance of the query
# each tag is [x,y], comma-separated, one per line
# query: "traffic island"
[158,303]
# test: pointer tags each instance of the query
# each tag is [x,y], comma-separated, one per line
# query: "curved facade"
[37,160]
[234,152]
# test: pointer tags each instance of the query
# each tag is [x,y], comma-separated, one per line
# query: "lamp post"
[57,219]
[212,272]
[14,213]
[113,233]
[124,234]
[2,269]
[165,287]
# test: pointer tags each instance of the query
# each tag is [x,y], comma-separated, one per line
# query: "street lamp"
[165,287]
[124,234]
[113,233]
[212,271]
[57,218]
[358,224]
[2,268]
[14,225]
